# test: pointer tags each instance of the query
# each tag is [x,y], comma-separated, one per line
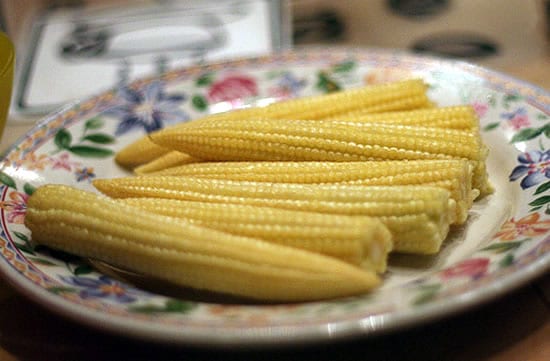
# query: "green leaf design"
[170,306]
[60,289]
[99,138]
[173,305]
[21,236]
[42,261]
[90,152]
[146,309]
[29,188]
[344,66]
[491,126]
[540,201]
[427,294]
[63,139]
[502,247]
[509,98]
[205,80]
[274,74]
[94,123]
[25,248]
[542,188]
[528,134]
[541,116]
[507,260]
[326,84]
[7,180]
[199,102]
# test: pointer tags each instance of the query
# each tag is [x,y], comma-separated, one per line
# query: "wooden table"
[512,327]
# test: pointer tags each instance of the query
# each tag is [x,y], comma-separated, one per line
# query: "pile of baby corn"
[298,200]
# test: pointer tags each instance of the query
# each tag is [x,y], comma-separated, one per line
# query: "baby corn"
[402,95]
[139,152]
[258,139]
[452,174]
[302,140]
[171,159]
[361,241]
[451,117]
[418,217]
[174,250]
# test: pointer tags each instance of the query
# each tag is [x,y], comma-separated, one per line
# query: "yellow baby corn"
[144,151]
[139,152]
[402,95]
[302,140]
[399,95]
[361,241]
[452,174]
[417,216]
[452,117]
[171,159]
[253,139]
[174,250]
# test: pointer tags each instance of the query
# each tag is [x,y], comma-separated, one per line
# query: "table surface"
[513,327]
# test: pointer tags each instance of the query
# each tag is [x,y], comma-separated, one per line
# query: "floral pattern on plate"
[505,243]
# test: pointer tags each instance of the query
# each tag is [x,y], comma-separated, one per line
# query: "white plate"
[505,243]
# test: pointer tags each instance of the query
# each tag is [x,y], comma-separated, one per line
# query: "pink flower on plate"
[232,89]
[16,207]
[517,119]
[63,162]
[472,268]
[480,108]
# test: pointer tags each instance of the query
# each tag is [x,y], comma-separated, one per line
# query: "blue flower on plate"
[534,167]
[291,85]
[148,107]
[84,174]
[103,287]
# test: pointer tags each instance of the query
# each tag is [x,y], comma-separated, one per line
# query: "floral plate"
[505,243]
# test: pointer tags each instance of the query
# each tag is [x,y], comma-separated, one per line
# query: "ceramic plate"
[505,243]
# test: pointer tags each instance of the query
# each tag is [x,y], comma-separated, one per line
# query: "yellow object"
[258,139]
[399,95]
[452,117]
[361,241]
[402,95]
[171,159]
[174,250]
[452,174]
[7,64]
[417,216]
[302,140]
[139,152]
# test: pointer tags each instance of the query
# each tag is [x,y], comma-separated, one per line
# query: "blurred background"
[70,49]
